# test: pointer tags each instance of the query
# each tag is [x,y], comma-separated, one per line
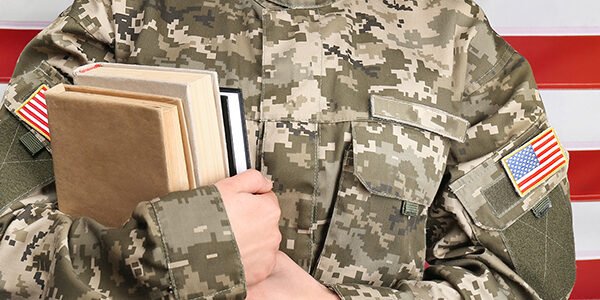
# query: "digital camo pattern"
[47,255]
[411,113]
[346,171]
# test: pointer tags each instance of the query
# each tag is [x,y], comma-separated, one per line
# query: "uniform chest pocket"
[391,172]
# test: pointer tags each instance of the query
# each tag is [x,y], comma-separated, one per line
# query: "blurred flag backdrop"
[561,40]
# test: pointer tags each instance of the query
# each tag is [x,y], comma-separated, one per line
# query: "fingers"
[268,196]
[250,181]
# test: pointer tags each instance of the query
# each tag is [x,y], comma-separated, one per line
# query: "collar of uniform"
[295,3]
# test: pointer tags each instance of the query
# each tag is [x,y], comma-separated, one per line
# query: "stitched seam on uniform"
[261,115]
[508,247]
[166,252]
[336,289]
[316,156]
[219,292]
[420,106]
[545,253]
[25,161]
[540,232]
[44,182]
[496,68]
[10,147]
[492,72]
[315,191]
[345,156]
[284,6]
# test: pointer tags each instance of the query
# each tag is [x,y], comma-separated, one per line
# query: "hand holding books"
[253,211]
[126,134]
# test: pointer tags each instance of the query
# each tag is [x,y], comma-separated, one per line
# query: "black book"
[234,122]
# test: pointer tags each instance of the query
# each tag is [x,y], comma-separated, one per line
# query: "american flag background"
[561,40]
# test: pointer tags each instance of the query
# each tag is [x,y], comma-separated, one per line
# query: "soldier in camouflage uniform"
[381,123]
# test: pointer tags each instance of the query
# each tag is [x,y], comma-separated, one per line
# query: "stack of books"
[126,133]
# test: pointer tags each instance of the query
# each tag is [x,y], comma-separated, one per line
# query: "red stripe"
[13,43]
[586,283]
[561,62]
[31,106]
[584,173]
[538,172]
[26,108]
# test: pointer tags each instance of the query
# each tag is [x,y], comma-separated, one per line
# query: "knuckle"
[255,176]
[274,214]
[254,172]
[277,239]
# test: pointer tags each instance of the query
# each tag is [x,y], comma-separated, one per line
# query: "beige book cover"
[199,92]
[112,150]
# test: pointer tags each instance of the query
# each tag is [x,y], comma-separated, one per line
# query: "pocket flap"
[419,115]
[398,161]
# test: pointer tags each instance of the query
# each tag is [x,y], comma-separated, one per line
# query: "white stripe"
[44,118]
[537,168]
[541,157]
[32,119]
[38,105]
[2,89]
[543,17]
[35,14]
[586,221]
[574,115]
[544,173]
[24,25]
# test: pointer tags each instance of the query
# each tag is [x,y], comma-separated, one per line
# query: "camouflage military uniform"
[382,124]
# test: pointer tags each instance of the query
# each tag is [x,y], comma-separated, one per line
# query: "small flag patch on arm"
[533,163]
[35,112]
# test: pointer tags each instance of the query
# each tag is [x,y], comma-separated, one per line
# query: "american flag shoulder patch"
[531,164]
[34,111]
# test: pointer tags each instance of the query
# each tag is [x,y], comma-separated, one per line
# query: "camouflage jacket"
[382,123]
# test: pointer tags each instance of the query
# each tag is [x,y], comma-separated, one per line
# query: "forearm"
[179,245]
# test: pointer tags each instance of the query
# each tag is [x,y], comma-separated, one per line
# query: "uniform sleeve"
[179,246]
[484,240]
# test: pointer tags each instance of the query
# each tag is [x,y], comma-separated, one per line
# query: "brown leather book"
[112,150]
